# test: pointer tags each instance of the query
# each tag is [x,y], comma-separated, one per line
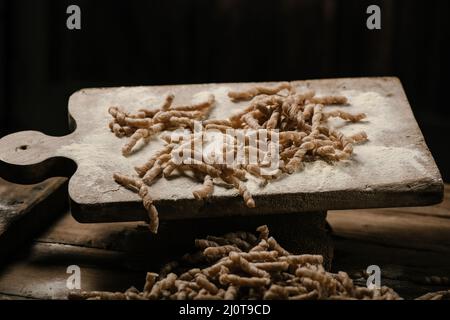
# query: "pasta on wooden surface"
[298,120]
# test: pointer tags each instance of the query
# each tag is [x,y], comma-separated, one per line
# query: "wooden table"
[408,244]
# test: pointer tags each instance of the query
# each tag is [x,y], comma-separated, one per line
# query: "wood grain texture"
[48,281]
[111,259]
[393,169]
[440,210]
[26,210]
[402,229]
[409,244]
[135,238]
[403,269]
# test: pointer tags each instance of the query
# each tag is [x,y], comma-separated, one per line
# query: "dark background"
[179,41]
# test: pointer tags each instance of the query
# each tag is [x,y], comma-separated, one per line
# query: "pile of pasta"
[241,266]
[303,132]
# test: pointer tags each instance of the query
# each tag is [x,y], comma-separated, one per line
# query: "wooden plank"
[111,258]
[120,236]
[403,269]
[402,171]
[409,244]
[38,272]
[393,228]
[356,255]
[56,253]
[26,210]
[43,274]
[48,281]
[12,297]
[135,238]
[439,210]
[366,237]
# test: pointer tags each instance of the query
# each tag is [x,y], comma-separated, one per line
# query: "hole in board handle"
[22,148]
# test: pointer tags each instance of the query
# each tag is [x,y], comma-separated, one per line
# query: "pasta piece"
[206,190]
[257,90]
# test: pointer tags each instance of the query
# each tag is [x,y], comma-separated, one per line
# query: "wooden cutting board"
[394,168]
[27,210]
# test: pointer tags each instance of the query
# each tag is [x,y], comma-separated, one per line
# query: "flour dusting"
[387,157]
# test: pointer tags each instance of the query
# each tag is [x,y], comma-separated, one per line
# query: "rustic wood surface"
[408,244]
[24,210]
[394,168]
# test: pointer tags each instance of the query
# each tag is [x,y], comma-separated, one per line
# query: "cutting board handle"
[29,157]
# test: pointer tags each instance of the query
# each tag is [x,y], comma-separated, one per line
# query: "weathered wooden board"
[116,256]
[398,228]
[394,168]
[48,280]
[134,237]
[26,210]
